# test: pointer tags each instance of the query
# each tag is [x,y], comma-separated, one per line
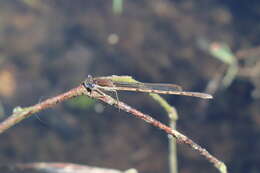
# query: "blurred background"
[48,47]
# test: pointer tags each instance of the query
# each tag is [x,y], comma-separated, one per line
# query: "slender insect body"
[109,85]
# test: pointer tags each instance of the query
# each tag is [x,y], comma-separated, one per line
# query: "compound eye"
[91,85]
[88,86]
[90,78]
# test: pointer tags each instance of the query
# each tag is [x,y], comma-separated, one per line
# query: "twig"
[22,113]
[58,167]
[173,117]
[179,137]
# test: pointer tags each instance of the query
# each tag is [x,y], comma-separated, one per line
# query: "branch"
[179,137]
[58,167]
[21,113]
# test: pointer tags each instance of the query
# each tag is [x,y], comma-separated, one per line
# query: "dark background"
[48,47]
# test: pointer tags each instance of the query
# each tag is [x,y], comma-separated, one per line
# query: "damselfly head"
[89,83]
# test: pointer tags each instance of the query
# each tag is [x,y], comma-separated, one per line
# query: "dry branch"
[22,113]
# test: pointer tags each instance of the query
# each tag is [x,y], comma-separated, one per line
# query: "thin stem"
[179,137]
[20,113]
[173,117]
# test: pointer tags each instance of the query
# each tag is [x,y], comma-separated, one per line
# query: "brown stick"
[179,137]
[22,113]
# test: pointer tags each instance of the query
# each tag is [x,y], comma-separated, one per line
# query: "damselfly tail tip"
[198,94]
[208,96]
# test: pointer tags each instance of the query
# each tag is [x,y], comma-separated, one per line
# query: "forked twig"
[22,113]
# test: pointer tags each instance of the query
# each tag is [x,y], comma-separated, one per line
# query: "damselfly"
[107,84]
